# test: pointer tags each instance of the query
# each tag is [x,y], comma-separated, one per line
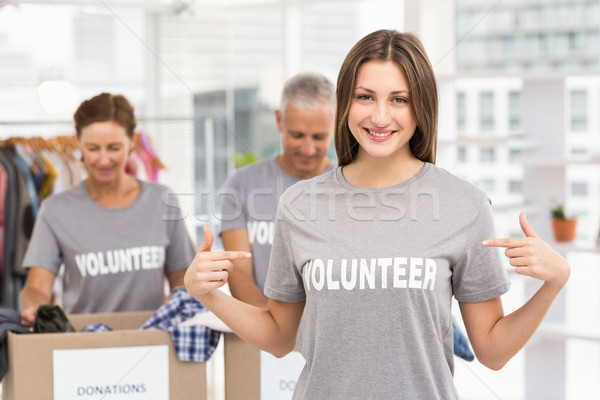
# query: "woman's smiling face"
[105,147]
[380,116]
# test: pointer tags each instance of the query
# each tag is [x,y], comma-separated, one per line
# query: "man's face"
[306,137]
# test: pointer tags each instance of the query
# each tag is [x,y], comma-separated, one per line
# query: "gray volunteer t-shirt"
[115,259]
[378,268]
[249,201]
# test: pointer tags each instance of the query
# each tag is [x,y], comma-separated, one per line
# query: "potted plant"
[563,227]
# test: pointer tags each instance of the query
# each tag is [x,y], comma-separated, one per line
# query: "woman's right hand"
[28,316]
[210,270]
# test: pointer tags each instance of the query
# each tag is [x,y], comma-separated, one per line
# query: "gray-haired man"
[305,120]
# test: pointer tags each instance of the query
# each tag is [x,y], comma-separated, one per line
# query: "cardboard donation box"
[125,363]
[251,374]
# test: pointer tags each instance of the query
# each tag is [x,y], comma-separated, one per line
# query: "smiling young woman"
[366,258]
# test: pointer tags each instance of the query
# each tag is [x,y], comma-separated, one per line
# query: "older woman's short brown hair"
[105,107]
[406,51]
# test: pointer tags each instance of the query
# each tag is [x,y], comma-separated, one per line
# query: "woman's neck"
[371,172]
[116,194]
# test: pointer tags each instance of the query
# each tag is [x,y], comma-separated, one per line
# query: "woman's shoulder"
[154,187]
[73,194]
[453,186]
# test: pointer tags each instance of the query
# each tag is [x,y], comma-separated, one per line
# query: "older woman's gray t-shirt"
[378,269]
[115,259]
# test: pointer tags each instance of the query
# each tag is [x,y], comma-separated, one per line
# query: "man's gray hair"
[307,91]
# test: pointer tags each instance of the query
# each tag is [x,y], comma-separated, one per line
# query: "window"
[578,124]
[543,43]
[487,154]
[579,189]
[462,154]
[486,111]
[514,154]
[576,41]
[514,101]
[515,18]
[579,152]
[487,185]
[508,44]
[460,111]
[579,110]
[514,111]
[579,100]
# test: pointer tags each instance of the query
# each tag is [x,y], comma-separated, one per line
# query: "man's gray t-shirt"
[115,259]
[378,268]
[249,201]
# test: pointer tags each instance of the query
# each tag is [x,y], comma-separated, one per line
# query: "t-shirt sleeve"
[44,248]
[233,215]
[284,281]
[180,252]
[480,274]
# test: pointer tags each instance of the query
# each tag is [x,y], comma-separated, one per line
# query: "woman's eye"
[364,97]
[399,100]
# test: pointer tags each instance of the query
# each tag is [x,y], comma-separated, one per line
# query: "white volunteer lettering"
[117,261]
[80,261]
[92,264]
[367,273]
[261,232]
[406,273]
[158,255]
[125,260]
[318,265]
[399,271]
[384,263]
[252,226]
[331,284]
[103,268]
[271,231]
[349,284]
[146,258]
[135,253]
[414,273]
[306,273]
[111,259]
[430,271]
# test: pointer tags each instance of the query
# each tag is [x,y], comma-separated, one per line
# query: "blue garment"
[99,327]
[21,161]
[193,342]
[10,320]
[461,343]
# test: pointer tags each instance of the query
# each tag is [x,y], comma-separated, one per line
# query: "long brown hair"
[105,107]
[406,51]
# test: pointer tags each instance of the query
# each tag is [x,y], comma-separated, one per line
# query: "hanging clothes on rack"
[3,184]
[10,282]
[25,207]
[30,179]
[143,161]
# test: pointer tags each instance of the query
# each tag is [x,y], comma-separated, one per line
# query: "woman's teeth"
[376,134]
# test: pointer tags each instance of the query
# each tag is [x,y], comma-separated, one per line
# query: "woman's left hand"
[533,257]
